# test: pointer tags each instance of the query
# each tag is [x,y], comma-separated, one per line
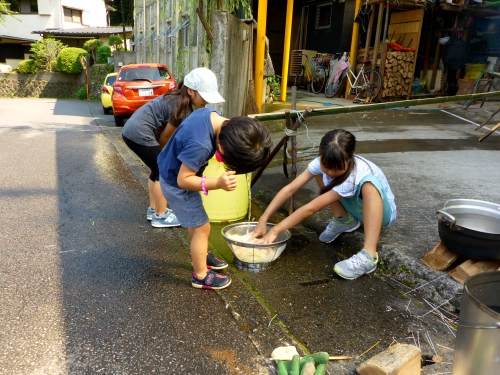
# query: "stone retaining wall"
[41,85]
[53,84]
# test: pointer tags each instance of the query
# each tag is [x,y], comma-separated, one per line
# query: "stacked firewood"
[398,73]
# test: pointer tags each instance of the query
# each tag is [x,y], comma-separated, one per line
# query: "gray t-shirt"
[146,124]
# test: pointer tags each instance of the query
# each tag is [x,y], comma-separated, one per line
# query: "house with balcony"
[71,21]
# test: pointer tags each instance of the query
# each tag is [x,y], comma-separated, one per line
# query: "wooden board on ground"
[472,267]
[439,258]
[398,359]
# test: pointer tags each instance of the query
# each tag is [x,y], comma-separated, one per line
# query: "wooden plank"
[472,267]
[398,359]
[404,28]
[439,258]
[407,16]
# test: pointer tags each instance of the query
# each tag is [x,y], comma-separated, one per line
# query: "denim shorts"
[354,205]
[186,204]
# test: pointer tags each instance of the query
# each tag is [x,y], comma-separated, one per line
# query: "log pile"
[398,73]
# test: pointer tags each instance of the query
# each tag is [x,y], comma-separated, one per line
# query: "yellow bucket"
[222,205]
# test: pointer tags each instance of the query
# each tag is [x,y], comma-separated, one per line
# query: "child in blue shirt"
[243,143]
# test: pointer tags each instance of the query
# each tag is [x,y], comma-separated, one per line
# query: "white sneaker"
[335,227]
[356,266]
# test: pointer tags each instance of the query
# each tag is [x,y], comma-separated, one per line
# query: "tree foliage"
[44,51]
[115,18]
[91,46]
[103,52]
[27,67]
[69,60]
[5,11]
[116,42]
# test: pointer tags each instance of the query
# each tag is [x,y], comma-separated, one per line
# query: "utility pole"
[123,23]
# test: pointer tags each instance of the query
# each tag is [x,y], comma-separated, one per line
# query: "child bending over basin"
[242,144]
[357,192]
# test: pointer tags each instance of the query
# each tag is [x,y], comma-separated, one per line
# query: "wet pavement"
[89,287]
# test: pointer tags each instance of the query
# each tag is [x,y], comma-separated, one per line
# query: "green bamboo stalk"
[376,106]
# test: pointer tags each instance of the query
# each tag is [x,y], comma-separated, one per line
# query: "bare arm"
[302,213]
[187,179]
[166,134]
[280,198]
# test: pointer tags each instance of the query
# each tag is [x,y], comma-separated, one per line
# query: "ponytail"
[183,107]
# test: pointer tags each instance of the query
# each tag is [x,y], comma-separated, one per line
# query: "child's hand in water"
[270,237]
[258,231]
[227,181]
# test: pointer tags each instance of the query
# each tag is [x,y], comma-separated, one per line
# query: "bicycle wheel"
[368,86]
[299,78]
[332,89]
[318,79]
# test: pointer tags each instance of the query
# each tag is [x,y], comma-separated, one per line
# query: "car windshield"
[151,74]
[110,80]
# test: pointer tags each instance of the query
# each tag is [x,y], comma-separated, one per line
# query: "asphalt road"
[88,287]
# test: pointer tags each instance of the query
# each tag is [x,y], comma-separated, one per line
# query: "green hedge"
[69,60]
[27,67]
[103,52]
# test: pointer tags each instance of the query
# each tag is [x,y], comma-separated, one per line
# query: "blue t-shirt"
[193,144]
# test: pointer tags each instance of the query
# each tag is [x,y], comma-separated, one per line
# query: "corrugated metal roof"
[17,38]
[85,31]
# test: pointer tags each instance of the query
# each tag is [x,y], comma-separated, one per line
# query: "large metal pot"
[470,228]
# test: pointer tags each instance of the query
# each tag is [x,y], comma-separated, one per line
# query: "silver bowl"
[250,256]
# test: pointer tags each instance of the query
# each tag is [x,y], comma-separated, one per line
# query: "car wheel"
[118,120]
[105,110]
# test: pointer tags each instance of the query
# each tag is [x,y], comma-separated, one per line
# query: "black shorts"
[148,154]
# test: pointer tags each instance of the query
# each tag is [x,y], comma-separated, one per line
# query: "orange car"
[136,84]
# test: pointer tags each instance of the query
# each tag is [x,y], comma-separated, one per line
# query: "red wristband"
[203,187]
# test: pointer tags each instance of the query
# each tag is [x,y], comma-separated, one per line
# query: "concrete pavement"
[119,300]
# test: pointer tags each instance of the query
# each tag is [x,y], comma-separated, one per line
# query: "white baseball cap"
[204,81]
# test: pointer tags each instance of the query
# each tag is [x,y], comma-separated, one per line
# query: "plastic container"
[221,205]
[477,345]
[474,70]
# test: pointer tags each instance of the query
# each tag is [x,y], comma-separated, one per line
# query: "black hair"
[336,152]
[183,107]
[246,143]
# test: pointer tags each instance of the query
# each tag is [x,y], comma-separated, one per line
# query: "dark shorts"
[186,204]
[148,154]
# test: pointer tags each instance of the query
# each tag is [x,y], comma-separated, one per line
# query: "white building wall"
[50,16]
[93,13]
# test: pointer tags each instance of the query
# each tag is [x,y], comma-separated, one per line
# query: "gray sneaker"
[335,227]
[356,266]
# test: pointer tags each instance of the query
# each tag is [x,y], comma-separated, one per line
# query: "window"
[24,6]
[323,16]
[72,15]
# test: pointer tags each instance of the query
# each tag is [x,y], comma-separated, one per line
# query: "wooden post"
[369,32]
[384,46]
[377,35]
[278,146]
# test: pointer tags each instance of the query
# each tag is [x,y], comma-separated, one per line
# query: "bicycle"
[320,72]
[366,85]
[303,71]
